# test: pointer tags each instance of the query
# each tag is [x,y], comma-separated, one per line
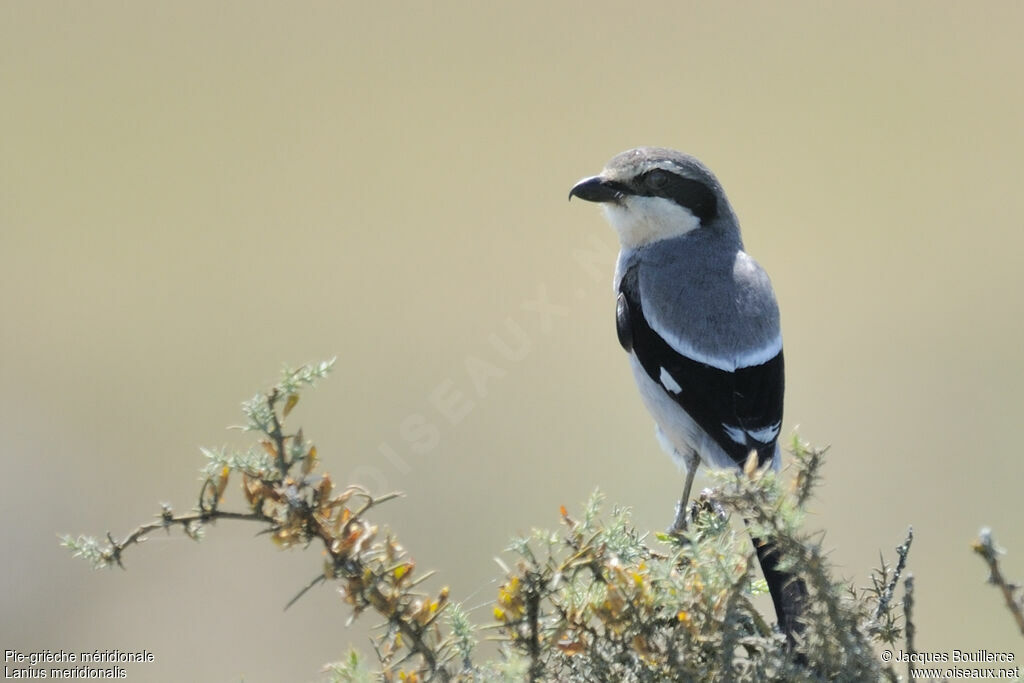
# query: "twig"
[320,578]
[277,434]
[113,553]
[987,548]
[886,597]
[908,611]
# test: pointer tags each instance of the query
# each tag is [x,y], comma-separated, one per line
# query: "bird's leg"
[679,525]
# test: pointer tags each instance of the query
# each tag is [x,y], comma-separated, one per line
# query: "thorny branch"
[986,547]
[298,507]
[597,602]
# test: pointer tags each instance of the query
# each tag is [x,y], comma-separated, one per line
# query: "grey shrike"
[699,320]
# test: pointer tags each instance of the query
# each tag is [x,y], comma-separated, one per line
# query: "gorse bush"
[594,600]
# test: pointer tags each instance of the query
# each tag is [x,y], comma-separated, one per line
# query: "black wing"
[740,410]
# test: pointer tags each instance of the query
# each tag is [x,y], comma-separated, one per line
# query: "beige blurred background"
[194,193]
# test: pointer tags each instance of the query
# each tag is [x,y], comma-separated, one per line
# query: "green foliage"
[86,547]
[602,604]
[597,600]
[349,670]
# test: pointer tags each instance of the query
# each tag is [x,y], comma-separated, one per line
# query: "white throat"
[642,220]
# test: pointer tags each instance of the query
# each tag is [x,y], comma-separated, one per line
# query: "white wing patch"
[764,434]
[735,433]
[669,382]
[767,434]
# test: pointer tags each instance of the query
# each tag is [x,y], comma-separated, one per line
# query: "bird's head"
[651,193]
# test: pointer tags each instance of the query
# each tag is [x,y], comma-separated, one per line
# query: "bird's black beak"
[598,189]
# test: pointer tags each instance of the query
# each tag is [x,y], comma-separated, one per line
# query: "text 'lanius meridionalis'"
[699,320]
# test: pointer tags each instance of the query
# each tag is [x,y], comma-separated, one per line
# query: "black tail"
[789,593]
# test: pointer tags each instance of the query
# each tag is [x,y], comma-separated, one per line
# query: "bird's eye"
[657,179]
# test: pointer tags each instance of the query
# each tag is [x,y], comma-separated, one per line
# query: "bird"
[700,322]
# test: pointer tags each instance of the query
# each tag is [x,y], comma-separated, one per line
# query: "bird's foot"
[704,505]
[679,524]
